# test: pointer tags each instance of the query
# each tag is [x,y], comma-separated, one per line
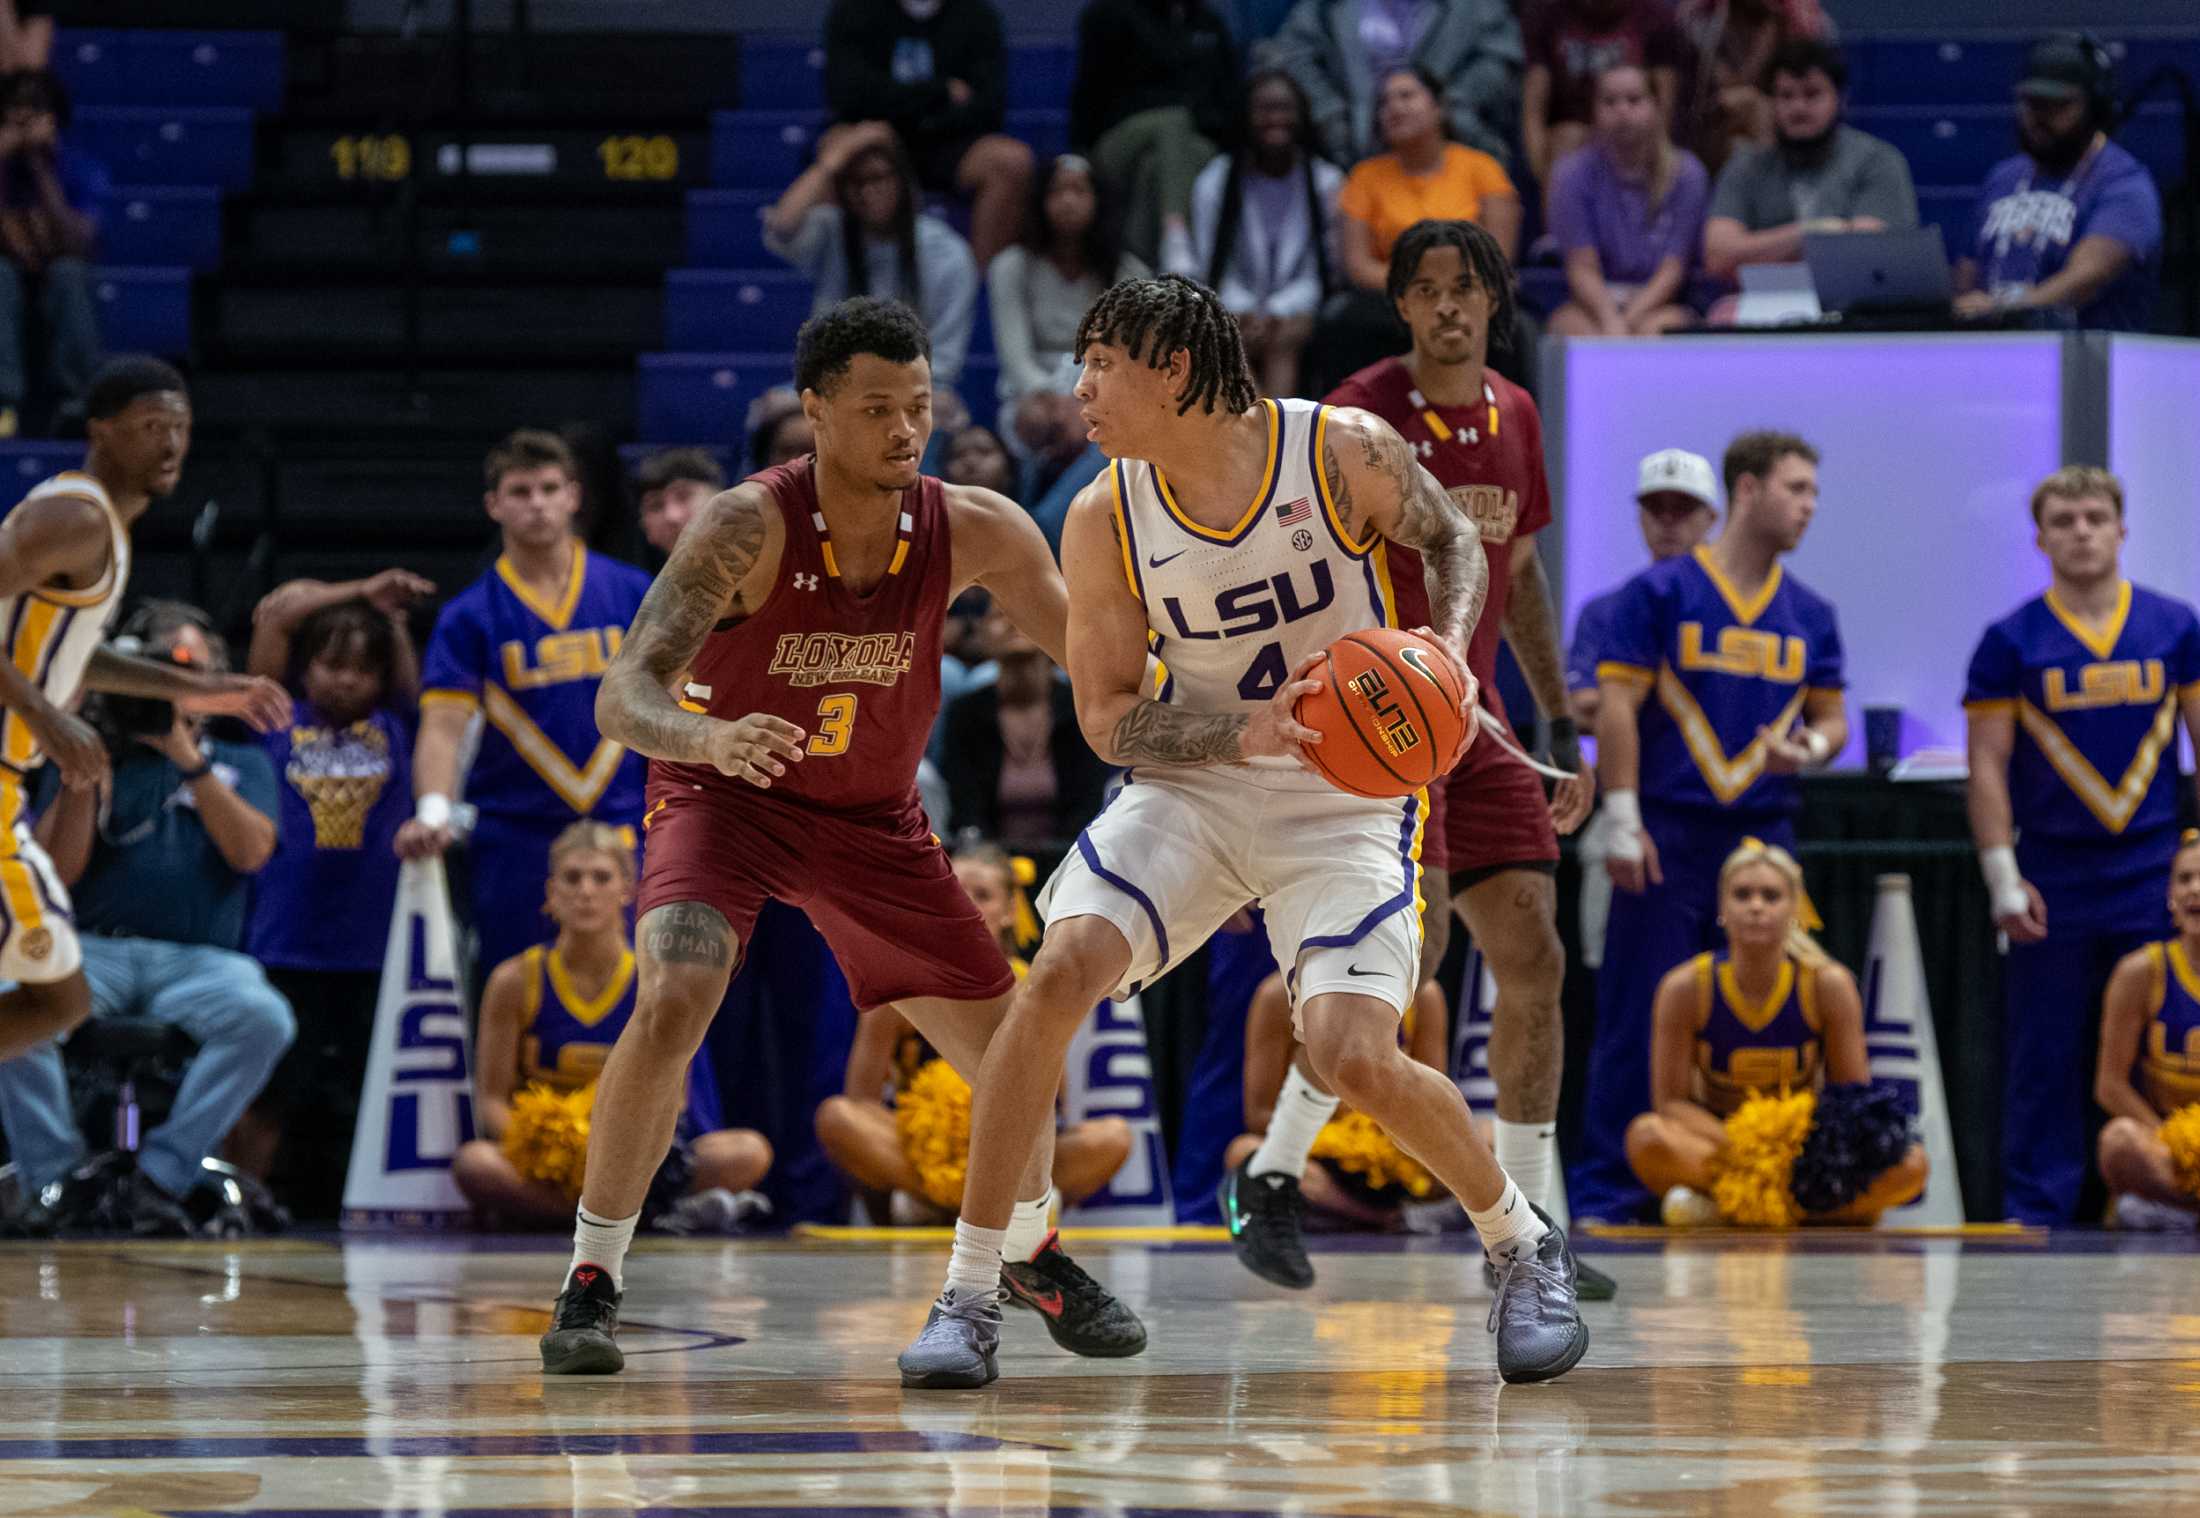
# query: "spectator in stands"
[1264,229]
[1357,1174]
[524,647]
[1818,175]
[1627,211]
[2074,222]
[1423,175]
[160,863]
[1569,43]
[52,200]
[673,485]
[936,73]
[853,224]
[1018,768]
[862,1132]
[975,457]
[777,429]
[1038,289]
[1062,463]
[26,35]
[1156,90]
[1727,104]
[1341,51]
[548,1020]
[321,913]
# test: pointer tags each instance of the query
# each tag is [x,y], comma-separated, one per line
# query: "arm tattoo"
[1430,521]
[698,586]
[688,933]
[1531,626]
[1151,733]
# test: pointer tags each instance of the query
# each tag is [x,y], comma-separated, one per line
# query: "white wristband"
[1820,746]
[433,810]
[2004,881]
[1624,809]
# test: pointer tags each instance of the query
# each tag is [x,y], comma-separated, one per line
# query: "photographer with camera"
[159,860]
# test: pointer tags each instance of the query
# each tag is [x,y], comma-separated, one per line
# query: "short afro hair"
[122,380]
[830,341]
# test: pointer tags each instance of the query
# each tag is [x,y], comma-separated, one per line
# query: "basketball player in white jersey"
[64,566]
[1238,538]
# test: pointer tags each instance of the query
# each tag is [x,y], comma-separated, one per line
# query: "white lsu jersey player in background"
[1238,537]
[64,568]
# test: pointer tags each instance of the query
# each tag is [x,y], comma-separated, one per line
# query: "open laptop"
[1880,273]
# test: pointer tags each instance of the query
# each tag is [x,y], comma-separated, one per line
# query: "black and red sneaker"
[582,1337]
[1081,1314]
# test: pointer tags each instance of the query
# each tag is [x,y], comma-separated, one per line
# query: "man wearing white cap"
[1678,497]
[1677,500]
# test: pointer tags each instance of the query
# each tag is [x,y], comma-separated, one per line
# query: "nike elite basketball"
[1388,712]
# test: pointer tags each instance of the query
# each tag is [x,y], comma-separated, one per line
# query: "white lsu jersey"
[1231,612]
[52,632]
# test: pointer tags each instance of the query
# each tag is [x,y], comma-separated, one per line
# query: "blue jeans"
[72,329]
[222,999]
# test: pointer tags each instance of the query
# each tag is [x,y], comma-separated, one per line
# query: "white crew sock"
[1509,1225]
[1027,1228]
[975,1266]
[601,1244]
[1528,1152]
[1300,1113]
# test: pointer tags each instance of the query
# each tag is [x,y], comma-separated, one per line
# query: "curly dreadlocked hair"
[1152,318]
[1485,261]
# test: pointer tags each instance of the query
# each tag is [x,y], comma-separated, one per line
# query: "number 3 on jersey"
[836,722]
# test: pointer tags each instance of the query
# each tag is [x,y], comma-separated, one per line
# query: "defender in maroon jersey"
[783,675]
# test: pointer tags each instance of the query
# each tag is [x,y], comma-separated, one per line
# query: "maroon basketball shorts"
[1494,817]
[880,890]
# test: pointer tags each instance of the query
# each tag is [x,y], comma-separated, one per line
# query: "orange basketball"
[1388,712]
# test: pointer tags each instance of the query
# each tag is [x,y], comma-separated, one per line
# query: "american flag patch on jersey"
[1291,513]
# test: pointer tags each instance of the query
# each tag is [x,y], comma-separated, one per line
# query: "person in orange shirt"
[1422,174]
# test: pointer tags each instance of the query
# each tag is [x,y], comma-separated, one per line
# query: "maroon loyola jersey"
[859,674]
[1489,456]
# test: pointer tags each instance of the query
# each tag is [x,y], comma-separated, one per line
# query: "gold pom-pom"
[548,1136]
[932,1114]
[1763,1136]
[1354,1142]
[2181,1132]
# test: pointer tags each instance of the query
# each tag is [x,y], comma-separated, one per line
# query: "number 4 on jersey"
[1265,675]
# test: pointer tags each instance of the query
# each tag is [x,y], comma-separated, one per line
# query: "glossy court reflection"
[1828,1374]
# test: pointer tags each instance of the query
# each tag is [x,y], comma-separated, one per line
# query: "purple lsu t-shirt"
[1594,206]
[2026,226]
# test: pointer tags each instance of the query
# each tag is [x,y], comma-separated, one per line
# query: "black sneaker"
[1264,1214]
[1081,1314]
[581,1339]
[1590,1283]
[151,1212]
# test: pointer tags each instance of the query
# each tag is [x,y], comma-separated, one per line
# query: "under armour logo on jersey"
[1425,448]
[804,582]
[1468,436]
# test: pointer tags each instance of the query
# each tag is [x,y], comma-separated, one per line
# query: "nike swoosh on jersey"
[1154,563]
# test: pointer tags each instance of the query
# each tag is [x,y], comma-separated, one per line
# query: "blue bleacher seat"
[782,75]
[725,229]
[704,397]
[243,69]
[1955,145]
[143,309]
[89,62]
[1949,207]
[1040,76]
[733,459]
[723,310]
[164,224]
[1935,71]
[1046,130]
[761,150]
[26,461]
[186,145]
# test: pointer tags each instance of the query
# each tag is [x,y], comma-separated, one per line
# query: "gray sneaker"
[955,1351]
[1539,1330]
